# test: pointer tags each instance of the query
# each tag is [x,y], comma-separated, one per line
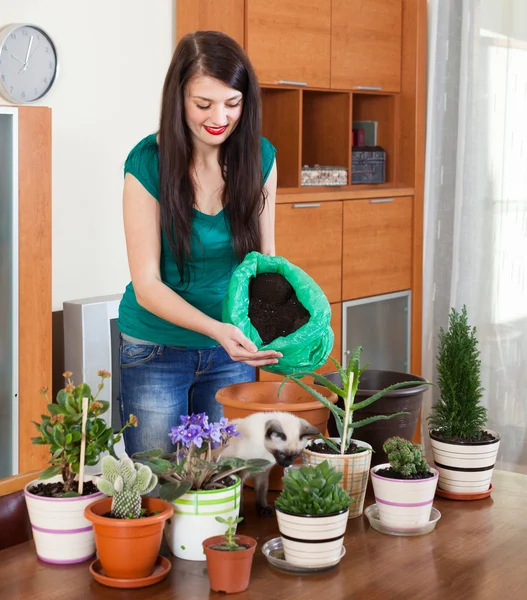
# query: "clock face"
[28,63]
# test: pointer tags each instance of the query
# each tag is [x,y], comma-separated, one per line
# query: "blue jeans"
[158,384]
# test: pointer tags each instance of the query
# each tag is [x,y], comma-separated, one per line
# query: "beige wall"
[113,56]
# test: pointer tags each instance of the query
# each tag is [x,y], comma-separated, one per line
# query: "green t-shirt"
[210,270]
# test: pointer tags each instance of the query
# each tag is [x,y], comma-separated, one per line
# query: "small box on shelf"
[368,165]
[322,175]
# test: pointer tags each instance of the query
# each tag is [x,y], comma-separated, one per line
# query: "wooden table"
[477,551]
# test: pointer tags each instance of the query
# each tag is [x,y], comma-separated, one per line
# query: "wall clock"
[28,63]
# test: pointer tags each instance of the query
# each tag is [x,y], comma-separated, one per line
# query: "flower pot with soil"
[128,528]
[56,501]
[229,558]
[404,487]
[198,482]
[408,400]
[243,399]
[464,449]
[312,513]
[350,456]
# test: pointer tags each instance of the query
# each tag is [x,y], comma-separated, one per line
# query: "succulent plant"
[405,458]
[313,490]
[125,481]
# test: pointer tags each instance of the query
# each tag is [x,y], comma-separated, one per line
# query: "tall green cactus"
[125,481]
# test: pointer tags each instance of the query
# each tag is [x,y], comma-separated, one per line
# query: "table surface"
[477,551]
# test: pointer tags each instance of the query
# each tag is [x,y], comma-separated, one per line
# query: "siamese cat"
[278,437]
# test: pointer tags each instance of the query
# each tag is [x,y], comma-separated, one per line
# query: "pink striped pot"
[61,532]
[354,467]
[404,504]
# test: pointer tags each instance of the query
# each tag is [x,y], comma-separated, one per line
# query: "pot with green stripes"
[195,515]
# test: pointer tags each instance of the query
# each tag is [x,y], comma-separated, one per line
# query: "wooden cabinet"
[289,40]
[336,326]
[366,39]
[377,247]
[211,15]
[310,236]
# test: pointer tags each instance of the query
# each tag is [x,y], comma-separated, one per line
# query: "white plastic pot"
[194,519]
[465,468]
[403,504]
[312,540]
[61,532]
[354,467]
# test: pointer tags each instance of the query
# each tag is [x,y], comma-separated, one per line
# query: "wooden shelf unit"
[323,64]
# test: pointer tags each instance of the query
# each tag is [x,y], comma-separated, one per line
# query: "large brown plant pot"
[408,399]
[243,399]
[128,548]
[229,571]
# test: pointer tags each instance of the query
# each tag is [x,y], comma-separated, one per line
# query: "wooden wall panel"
[34,277]
[211,15]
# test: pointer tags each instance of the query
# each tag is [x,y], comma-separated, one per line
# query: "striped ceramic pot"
[61,532]
[194,519]
[354,467]
[403,504]
[312,540]
[465,468]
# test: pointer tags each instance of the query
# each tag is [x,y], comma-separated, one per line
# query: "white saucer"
[372,512]
[274,553]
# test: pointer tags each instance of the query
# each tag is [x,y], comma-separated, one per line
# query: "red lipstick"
[215,130]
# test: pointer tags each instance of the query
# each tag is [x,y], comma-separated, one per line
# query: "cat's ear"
[274,430]
[307,430]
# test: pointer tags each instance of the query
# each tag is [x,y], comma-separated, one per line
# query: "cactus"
[405,458]
[125,481]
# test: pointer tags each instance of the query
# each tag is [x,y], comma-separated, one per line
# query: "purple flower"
[193,435]
[185,420]
[200,419]
[176,434]
[231,431]
[213,433]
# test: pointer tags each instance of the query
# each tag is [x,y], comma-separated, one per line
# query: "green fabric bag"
[307,348]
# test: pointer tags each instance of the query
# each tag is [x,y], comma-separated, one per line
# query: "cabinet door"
[310,236]
[377,255]
[336,326]
[289,40]
[366,44]
[210,15]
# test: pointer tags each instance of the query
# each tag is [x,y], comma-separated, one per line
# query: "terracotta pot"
[229,571]
[243,399]
[128,548]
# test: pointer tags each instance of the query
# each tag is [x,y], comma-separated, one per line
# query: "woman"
[198,196]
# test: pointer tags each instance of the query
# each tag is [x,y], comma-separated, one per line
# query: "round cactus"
[125,481]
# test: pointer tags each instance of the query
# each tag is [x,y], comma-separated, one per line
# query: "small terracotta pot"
[243,399]
[128,548]
[229,571]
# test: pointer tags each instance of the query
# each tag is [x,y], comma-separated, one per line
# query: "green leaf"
[56,409]
[50,472]
[39,441]
[83,391]
[70,495]
[154,453]
[369,420]
[382,393]
[222,520]
[69,439]
[61,397]
[173,491]
[159,466]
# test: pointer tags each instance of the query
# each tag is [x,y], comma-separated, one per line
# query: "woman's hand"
[241,349]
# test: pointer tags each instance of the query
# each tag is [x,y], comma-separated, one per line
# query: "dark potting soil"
[110,515]
[391,474]
[274,309]
[485,437]
[220,549]
[323,448]
[56,490]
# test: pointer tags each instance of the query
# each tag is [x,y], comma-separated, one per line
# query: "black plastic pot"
[408,399]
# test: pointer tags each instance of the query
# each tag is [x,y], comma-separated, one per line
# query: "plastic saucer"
[274,552]
[458,496]
[161,570]
[372,512]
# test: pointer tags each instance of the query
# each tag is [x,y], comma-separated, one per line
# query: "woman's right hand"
[241,349]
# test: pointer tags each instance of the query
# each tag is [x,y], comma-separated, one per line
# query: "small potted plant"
[312,513]
[56,501]
[229,558]
[404,487]
[352,457]
[464,450]
[199,482]
[128,528]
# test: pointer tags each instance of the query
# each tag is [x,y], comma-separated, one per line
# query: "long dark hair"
[215,55]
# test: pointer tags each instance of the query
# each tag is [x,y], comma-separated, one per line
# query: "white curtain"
[476,200]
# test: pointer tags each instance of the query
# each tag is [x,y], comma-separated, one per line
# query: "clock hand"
[16,58]
[29,49]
